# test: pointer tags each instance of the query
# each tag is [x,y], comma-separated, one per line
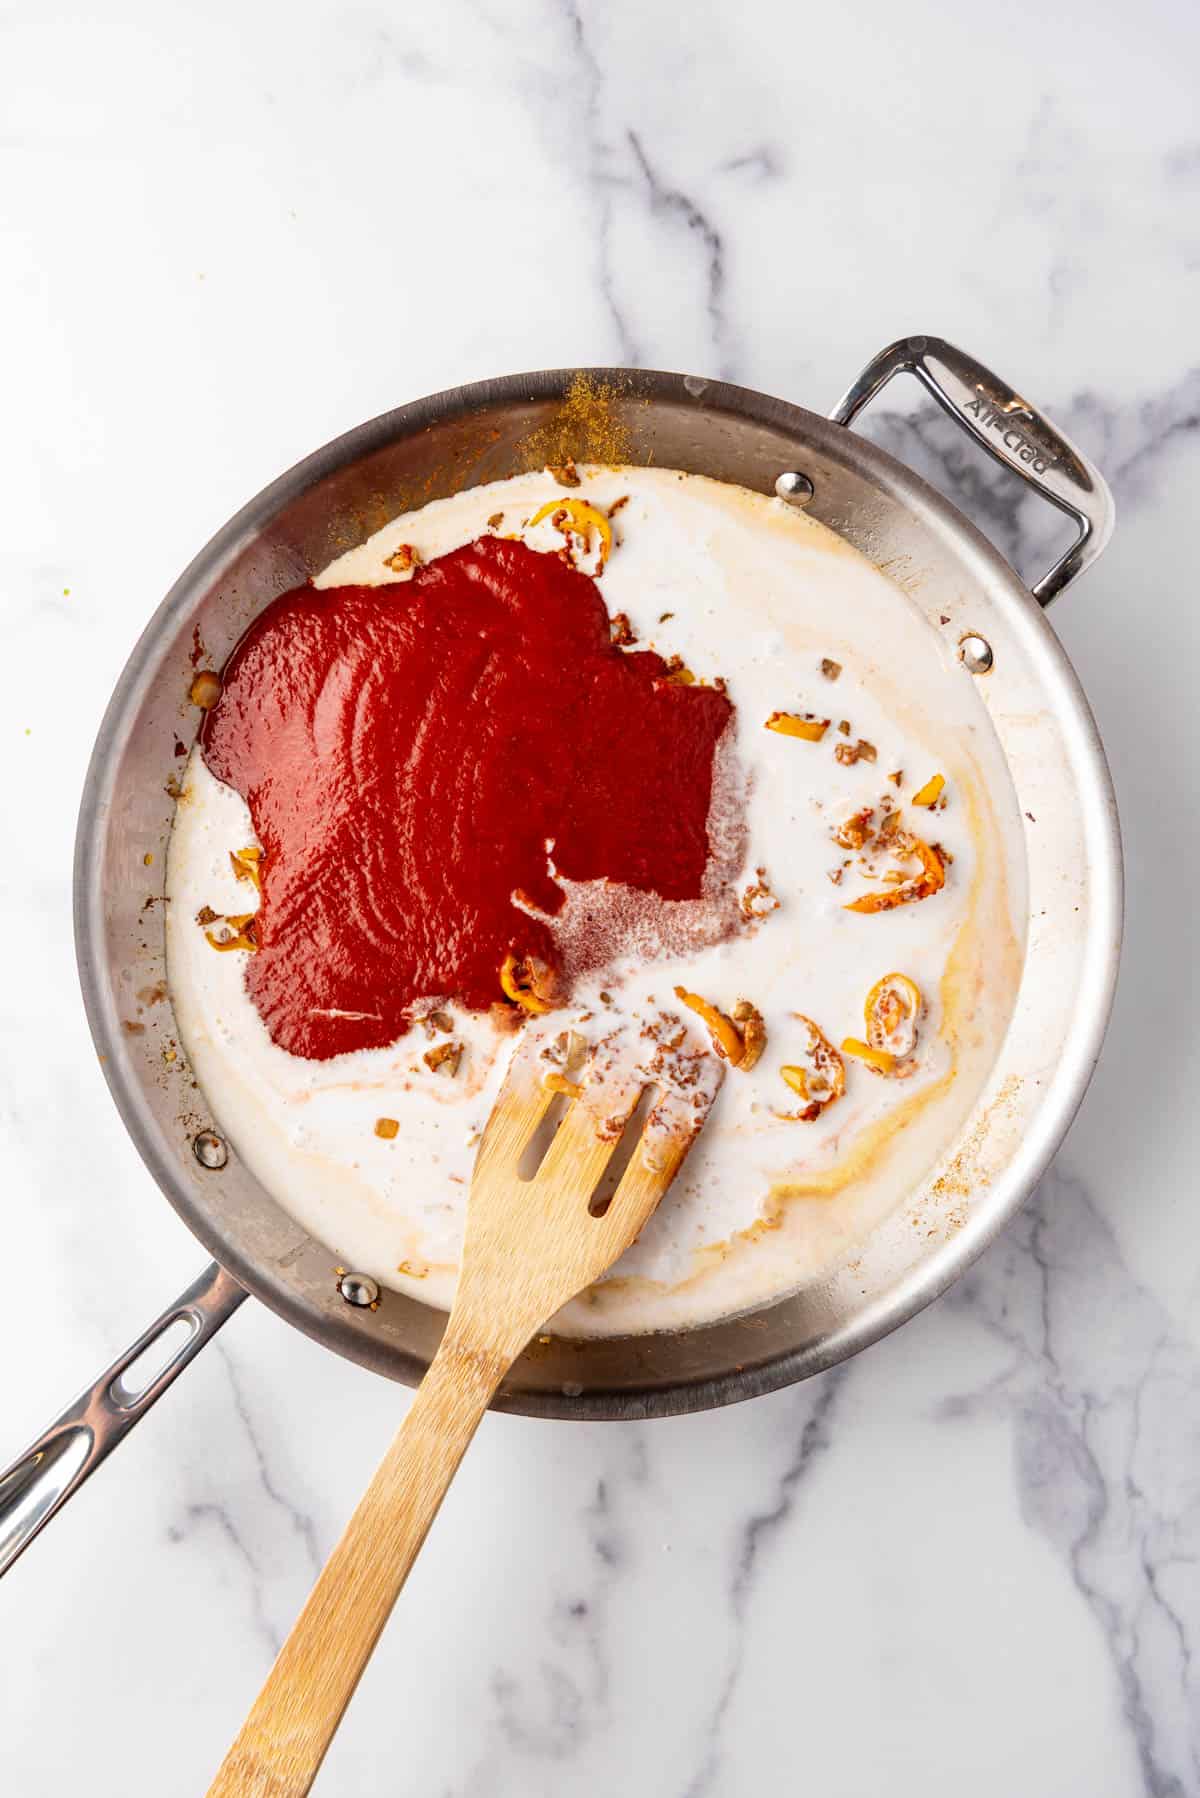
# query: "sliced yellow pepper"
[558,1083]
[517,977]
[244,863]
[585,519]
[790,724]
[243,938]
[825,1061]
[726,1037]
[878,1059]
[892,1007]
[930,880]
[931,792]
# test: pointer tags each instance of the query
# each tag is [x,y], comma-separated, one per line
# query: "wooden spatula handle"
[283,1741]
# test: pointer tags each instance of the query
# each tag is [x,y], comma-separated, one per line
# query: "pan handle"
[44,1477]
[1011,430]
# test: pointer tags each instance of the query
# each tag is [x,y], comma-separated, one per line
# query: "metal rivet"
[975,653]
[209,1149]
[795,488]
[359,1289]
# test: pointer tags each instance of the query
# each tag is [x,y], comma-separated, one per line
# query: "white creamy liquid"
[758,594]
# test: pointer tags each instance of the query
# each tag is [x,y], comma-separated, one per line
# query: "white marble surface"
[968,1560]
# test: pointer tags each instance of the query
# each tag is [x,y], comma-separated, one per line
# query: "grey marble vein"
[620,171]
[815,1407]
[300,1522]
[1130,442]
[201,1513]
[1104,1395]
[763,163]
[680,212]
[588,80]
[552,1715]
[259,1545]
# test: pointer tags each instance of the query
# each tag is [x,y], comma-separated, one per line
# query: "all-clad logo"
[1015,441]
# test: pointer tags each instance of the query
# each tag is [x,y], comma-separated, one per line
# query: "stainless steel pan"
[453,440]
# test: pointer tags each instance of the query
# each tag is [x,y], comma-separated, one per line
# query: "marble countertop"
[969,1558]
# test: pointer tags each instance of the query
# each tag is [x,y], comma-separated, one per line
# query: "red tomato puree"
[413,754]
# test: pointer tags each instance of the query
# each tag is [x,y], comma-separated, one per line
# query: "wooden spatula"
[531,1244]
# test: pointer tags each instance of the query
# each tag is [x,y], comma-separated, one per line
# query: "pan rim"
[1089,766]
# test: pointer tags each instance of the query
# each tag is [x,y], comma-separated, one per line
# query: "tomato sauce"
[414,754]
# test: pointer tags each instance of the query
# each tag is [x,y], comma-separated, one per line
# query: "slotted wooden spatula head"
[533,1239]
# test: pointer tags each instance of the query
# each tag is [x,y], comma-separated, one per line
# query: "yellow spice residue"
[866,1152]
[827,1184]
[962,982]
[587,427]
